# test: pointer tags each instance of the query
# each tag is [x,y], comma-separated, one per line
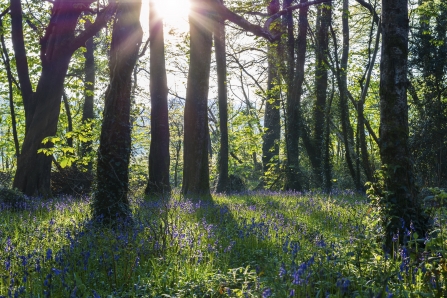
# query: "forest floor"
[261,244]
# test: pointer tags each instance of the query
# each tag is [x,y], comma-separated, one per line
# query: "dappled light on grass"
[247,245]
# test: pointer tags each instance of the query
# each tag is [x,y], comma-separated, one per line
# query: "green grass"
[248,245]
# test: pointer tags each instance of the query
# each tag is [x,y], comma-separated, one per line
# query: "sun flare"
[173,12]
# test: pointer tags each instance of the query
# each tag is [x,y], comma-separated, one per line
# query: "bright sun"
[173,12]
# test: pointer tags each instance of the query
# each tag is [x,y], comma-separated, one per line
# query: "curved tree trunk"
[110,200]
[159,157]
[43,106]
[195,154]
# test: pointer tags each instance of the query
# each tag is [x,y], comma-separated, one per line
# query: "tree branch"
[101,21]
[371,9]
[20,53]
[256,29]
[4,12]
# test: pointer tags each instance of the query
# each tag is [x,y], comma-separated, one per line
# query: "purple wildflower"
[49,254]
[266,293]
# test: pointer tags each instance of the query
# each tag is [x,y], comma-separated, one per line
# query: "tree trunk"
[221,65]
[69,118]
[341,73]
[321,85]
[43,106]
[159,157]
[360,111]
[401,197]
[89,95]
[21,59]
[110,199]
[272,124]
[7,63]
[293,106]
[195,154]
[34,169]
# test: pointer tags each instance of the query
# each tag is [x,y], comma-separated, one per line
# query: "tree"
[159,150]
[42,107]
[321,144]
[195,169]
[272,118]
[221,65]
[428,89]
[89,89]
[293,104]
[110,198]
[7,63]
[401,203]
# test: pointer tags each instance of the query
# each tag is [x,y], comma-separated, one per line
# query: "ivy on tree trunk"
[110,199]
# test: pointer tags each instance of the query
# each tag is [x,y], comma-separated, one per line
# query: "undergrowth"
[246,245]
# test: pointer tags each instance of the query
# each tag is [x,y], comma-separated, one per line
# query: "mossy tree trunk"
[272,120]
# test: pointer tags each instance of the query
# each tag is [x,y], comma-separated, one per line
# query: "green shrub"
[11,197]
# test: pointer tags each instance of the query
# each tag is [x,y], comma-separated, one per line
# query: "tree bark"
[401,197]
[221,65]
[110,199]
[195,150]
[159,158]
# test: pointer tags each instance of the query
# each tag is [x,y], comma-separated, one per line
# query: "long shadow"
[92,259]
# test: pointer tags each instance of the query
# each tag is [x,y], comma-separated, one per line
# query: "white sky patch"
[173,12]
